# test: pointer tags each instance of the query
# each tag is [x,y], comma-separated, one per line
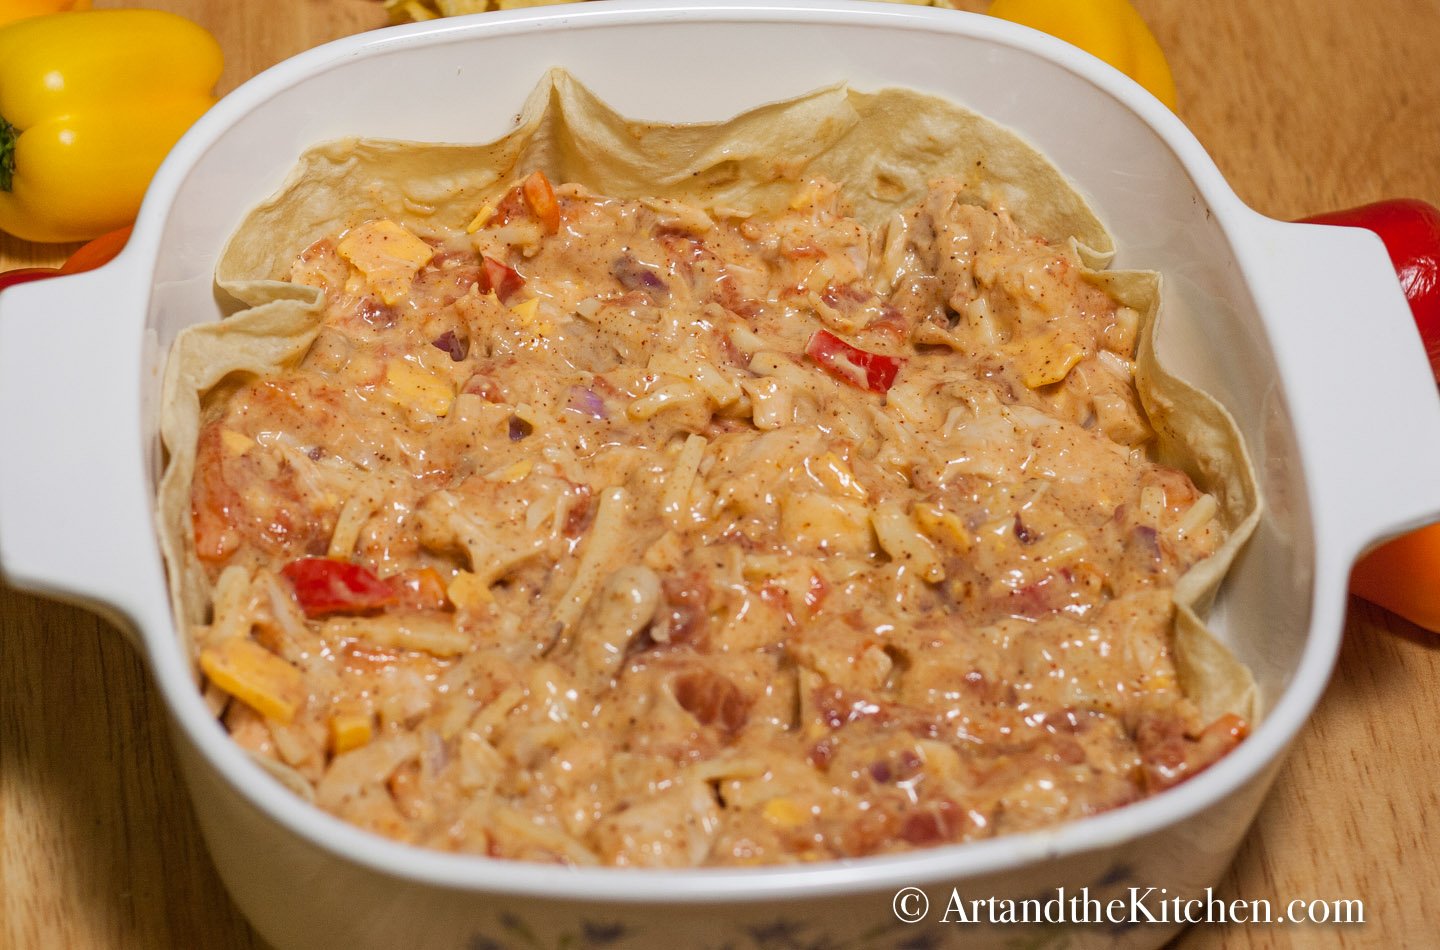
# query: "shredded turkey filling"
[622,532]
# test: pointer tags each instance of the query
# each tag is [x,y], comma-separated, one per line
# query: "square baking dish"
[1300,330]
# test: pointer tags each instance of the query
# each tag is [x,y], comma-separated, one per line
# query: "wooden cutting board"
[1306,105]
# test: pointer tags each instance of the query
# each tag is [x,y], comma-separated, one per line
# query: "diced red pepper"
[500,278]
[860,368]
[326,586]
[541,199]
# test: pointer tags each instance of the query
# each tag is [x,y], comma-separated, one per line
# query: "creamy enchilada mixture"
[626,531]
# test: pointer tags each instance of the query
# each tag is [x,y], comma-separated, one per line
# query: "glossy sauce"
[691,596]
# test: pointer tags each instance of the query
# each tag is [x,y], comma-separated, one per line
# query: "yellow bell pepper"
[1111,30]
[90,104]
[11,10]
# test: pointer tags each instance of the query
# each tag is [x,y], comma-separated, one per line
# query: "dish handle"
[74,510]
[1359,383]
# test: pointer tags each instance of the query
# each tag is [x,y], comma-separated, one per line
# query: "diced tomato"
[712,699]
[779,598]
[326,586]
[541,199]
[500,278]
[931,824]
[685,608]
[860,368]
[1168,756]
[420,588]
[581,514]
[891,322]
[510,208]
[214,502]
[839,708]
[816,592]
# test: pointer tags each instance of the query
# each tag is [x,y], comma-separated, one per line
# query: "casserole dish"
[1257,318]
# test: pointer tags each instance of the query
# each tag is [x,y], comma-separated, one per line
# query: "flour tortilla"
[884,148]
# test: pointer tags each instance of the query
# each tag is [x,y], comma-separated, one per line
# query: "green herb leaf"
[8,135]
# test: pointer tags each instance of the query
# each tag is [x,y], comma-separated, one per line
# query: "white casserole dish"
[1300,330]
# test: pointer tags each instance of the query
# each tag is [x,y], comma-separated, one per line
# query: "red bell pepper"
[88,257]
[23,275]
[860,368]
[1411,232]
[1403,575]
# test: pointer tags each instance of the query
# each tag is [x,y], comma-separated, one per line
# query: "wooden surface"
[1306,105]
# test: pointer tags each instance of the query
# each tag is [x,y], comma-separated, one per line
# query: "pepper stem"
[8,135]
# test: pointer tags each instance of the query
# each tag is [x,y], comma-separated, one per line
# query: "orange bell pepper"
[1410,229]
[1403,576]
